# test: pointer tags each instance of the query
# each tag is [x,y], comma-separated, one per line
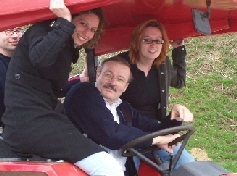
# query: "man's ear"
[98,71]
[98,68]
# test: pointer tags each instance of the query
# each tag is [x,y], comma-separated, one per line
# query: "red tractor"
[181,19]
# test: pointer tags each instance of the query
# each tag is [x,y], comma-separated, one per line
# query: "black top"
[4,61]
[149,95]
[143,94]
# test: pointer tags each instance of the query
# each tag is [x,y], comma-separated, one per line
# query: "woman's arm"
[47,39]
[178,67]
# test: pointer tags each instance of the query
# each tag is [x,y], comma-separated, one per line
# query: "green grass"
[211,94]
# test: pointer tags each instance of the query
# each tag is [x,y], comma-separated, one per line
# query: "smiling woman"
[153,74]
[87,33]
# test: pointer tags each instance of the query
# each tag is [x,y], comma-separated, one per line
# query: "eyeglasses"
[110,76]
[10,32]
[149,41]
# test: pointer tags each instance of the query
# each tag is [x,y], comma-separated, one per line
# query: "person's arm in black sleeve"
[146,124]
[2,86]
[151,125]
[62,93]
[46,42]
[178,68]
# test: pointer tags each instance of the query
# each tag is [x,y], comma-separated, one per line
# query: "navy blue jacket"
[87,109]
[4,61]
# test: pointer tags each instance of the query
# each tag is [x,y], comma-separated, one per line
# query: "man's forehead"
[118,71]
[112,63]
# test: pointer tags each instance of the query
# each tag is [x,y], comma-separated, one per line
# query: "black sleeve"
[2,87]
[150,125]
[46,41]
[66,88]
[178,69]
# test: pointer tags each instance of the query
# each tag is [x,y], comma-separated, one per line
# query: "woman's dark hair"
[98,12]
[136,39]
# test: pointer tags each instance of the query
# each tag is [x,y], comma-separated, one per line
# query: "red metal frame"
[51,169]
[59,169]
[175,15]
[17,13]
[144,169]
[122,16]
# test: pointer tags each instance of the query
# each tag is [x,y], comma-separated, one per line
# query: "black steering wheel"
[129,148]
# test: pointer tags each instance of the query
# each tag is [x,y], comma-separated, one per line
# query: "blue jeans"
[185,157]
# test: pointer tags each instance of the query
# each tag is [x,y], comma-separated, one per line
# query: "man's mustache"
[110,86]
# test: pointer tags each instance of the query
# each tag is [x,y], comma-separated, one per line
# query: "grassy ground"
[211,94]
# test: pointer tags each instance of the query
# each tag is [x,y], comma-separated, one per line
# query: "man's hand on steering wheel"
[163,141]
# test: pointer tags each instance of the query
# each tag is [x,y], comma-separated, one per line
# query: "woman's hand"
[163,141]
[84,75]
[181,113]
[176,43]
[60,10]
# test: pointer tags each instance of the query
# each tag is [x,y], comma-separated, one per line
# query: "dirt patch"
[199,154]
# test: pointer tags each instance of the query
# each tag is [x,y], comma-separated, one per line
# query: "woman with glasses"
[153,74]
[35,121]
[8,41]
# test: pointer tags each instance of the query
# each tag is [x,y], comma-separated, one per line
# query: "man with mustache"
[106,119]
[8,41]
